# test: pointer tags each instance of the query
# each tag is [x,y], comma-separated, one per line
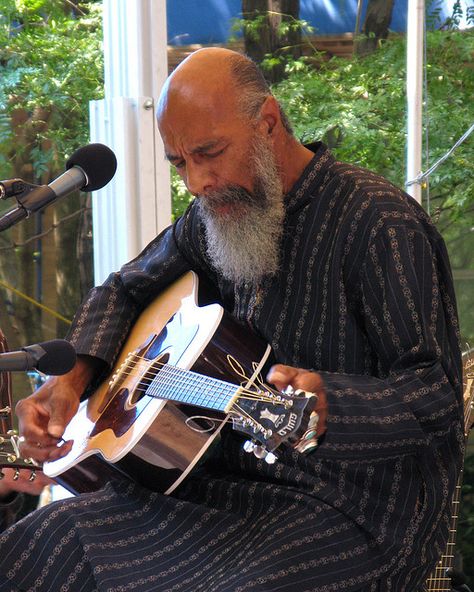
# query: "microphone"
[88,169]
[50,357]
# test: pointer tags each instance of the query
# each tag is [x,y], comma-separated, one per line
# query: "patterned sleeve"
[105,317]
[409,314]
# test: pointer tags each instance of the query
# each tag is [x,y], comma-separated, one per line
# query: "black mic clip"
[11,187]
[26,204]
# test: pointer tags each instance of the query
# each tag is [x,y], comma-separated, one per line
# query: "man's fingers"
[282,376]
[45,452]
[61,411]
[32,420]
[60,451]
[42,422]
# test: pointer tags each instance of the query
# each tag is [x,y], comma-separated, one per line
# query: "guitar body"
[156,441]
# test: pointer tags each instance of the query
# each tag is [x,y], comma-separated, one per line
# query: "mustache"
[232,194]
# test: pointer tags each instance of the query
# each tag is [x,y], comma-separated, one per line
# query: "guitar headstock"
[272,419]
[10,455]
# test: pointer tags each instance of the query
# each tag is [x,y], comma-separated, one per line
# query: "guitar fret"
[184,386]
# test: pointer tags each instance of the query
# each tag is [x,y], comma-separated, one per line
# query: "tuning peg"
[260,451]
[249,446]
[270,458]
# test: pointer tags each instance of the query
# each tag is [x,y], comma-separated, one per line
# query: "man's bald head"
[214,75]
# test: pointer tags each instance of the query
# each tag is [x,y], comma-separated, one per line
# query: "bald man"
[348,280]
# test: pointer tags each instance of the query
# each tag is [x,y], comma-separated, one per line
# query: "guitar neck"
[439,580]
[184,386]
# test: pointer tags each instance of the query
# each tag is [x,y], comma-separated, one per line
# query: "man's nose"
[199,179]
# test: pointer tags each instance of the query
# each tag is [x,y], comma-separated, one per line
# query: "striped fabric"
[365,297]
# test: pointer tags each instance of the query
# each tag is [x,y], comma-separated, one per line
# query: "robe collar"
[303,190]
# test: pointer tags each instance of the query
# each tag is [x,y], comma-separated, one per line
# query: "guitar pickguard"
[126,397]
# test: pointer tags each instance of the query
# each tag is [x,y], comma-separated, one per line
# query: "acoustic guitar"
[185,371]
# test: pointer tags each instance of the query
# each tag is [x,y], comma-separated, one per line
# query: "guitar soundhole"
[147,378]
[201,424]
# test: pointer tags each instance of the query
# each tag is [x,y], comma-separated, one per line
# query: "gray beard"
[246,247]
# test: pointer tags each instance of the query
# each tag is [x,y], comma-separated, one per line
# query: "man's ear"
[269,115]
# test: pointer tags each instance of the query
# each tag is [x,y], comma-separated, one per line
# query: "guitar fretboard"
[439,581]
[183,386]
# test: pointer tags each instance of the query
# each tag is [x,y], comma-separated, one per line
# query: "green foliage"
[253,27]
[50,67]
[358,106]
[435,18]
[273,39]
[180,196]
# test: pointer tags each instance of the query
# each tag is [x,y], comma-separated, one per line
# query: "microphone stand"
[21,191]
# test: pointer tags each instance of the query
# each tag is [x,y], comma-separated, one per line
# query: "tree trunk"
[376,25]
[74,273]
[50,270]
[263,35]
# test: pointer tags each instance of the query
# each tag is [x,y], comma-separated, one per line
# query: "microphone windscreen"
[97,161]
[59,357]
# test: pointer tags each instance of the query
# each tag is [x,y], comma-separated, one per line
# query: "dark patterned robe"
[364,297]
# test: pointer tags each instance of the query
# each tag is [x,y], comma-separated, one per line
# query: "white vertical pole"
[414,91]
[130,211]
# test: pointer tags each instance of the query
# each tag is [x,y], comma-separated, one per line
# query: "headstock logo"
[276,419]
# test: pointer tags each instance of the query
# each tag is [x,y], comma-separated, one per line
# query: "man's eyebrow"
[202,148]
[207,146]
[171,157]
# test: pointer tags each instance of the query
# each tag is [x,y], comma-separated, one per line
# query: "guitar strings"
[435,582]
[243,393]
[149,375]
[236,409]
[129,365]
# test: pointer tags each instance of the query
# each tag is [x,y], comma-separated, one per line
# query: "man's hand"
[44,415]
[298,378]
[23,483]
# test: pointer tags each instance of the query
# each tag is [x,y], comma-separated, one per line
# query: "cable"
[35,302]
[433,167]
[426,110]
[46,232]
